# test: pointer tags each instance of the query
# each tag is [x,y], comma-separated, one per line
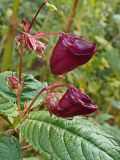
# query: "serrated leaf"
[7,107]
[113,130]
[61,139]
[30,90]
[4,89]
[32,87]
[9,148]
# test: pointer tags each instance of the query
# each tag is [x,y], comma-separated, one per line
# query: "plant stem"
[72,16]
[49,89]
[52,33]
[21,57]
[33,20]
[18,98]
[34,100]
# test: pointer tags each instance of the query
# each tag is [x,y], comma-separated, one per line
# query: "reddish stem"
[21,57]
[49,89]
[34,100]
[33,20]
[52,33]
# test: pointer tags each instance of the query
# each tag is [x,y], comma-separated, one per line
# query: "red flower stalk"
[69,53]
[72,103]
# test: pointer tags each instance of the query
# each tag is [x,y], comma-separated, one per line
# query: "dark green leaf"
[9,148]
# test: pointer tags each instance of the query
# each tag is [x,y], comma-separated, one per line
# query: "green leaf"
[61,139]
[114,60]
[4,89]
[104,117]
[116,18]
[31,158]
[9,148]
[32,87]
[7,107]
[113,130]
[116,104]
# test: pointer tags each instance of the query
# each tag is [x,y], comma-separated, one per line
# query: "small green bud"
[51,7]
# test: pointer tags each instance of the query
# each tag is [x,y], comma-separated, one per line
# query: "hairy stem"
[33,20]
[21,57]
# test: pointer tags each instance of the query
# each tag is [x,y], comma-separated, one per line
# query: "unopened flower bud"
[13,82]
[72,103]
[69,53]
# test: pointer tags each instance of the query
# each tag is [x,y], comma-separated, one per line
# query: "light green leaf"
[61,139]
[116,104]
[9,148]
[114,60]
[116,18]
[104,117]
[113,130]
[31,158]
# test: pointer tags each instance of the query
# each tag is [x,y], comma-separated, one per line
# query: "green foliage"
[97,21]
[112,130]
[114,60]
[9,148]
[32,87]
[4,88]
[7,107]
[63,139]
[8,99]
[30,158]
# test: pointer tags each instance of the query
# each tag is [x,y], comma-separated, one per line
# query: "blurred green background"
[95,20]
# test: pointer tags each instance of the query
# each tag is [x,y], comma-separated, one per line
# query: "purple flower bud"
[72,103]
[69,53]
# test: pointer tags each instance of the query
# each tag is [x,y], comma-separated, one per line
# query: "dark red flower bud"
[13,82]
[72,103]
[69,53]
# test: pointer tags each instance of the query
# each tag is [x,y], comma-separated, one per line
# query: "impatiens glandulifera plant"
[52,123]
